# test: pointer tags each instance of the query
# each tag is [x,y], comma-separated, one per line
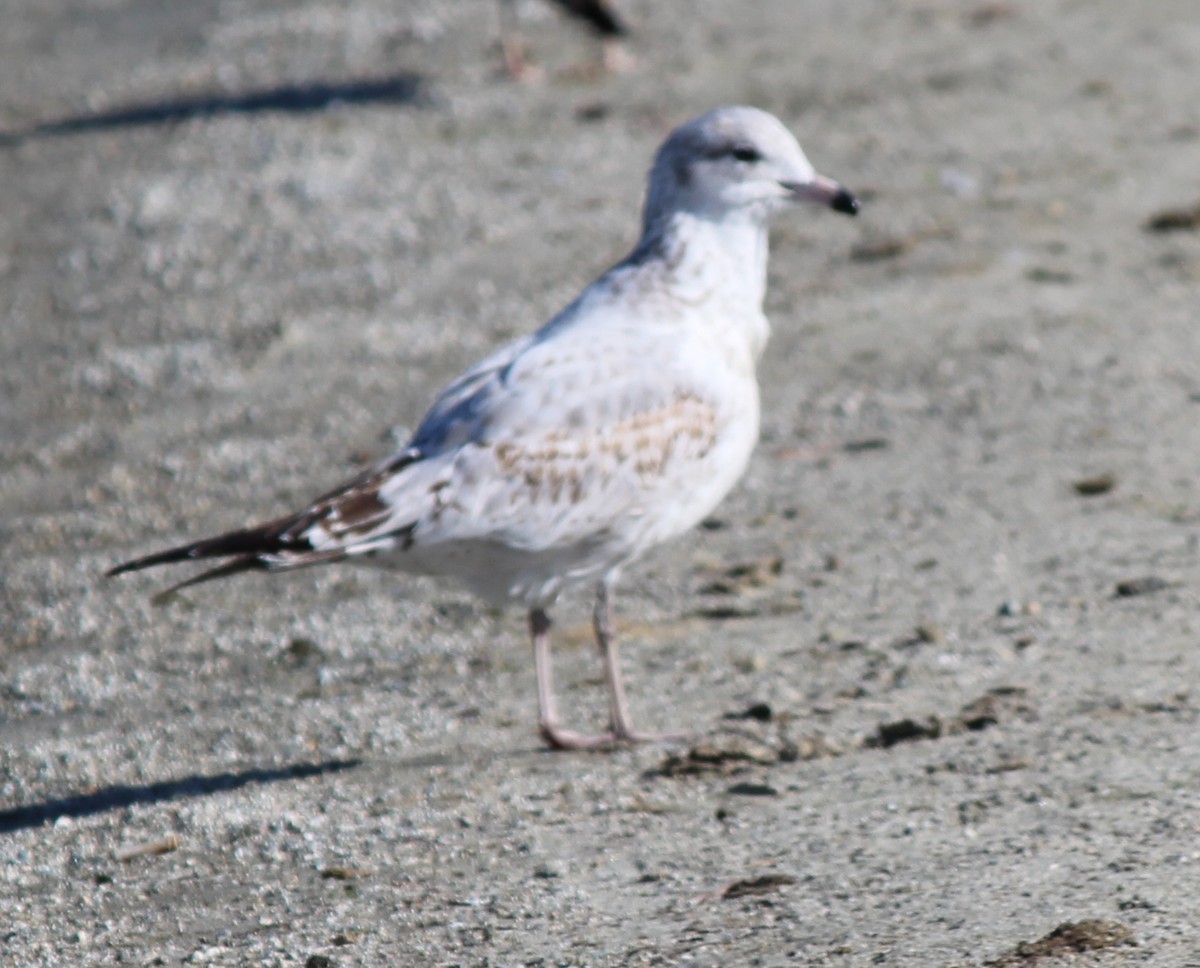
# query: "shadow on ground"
[402,88]
[115,797]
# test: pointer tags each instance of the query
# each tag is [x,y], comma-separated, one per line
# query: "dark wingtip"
[235,567]
[247,541]
[602,18]
[844,202]
[149,561]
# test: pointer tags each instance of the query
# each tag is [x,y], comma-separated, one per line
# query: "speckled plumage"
[618,425]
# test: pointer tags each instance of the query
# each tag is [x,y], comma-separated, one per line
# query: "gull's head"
[736,162]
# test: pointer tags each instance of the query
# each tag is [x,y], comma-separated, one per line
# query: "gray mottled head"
[736,162]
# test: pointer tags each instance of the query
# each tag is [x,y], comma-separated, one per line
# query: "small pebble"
[752,790]
[1094,486]
[1140,586]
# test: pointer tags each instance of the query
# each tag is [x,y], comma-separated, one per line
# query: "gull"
[618,425]
[599,15]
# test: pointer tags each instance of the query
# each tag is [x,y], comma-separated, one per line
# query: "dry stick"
[148,849]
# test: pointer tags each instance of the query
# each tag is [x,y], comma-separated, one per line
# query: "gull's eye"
[746,153]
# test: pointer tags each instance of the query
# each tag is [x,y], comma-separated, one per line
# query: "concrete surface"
[241,245]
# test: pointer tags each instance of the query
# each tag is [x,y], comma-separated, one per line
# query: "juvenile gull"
[620,423]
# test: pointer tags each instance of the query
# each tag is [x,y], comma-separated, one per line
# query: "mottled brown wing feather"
[352,507]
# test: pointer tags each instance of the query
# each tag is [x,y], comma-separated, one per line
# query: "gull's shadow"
[402,88]
[115,797]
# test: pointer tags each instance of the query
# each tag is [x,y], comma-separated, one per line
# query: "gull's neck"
[706,258]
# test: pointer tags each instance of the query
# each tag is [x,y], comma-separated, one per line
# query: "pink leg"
[512,47]
[552,733]
[616,59]
[619,729]
[619,722]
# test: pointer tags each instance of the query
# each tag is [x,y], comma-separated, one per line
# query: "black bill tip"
[844,202]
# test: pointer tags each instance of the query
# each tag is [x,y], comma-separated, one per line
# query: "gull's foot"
[517,68]
[618,60]
[565,739]
[632,736]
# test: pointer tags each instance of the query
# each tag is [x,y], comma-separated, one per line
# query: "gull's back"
[619,424]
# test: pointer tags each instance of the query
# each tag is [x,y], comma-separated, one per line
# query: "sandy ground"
[975,685]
